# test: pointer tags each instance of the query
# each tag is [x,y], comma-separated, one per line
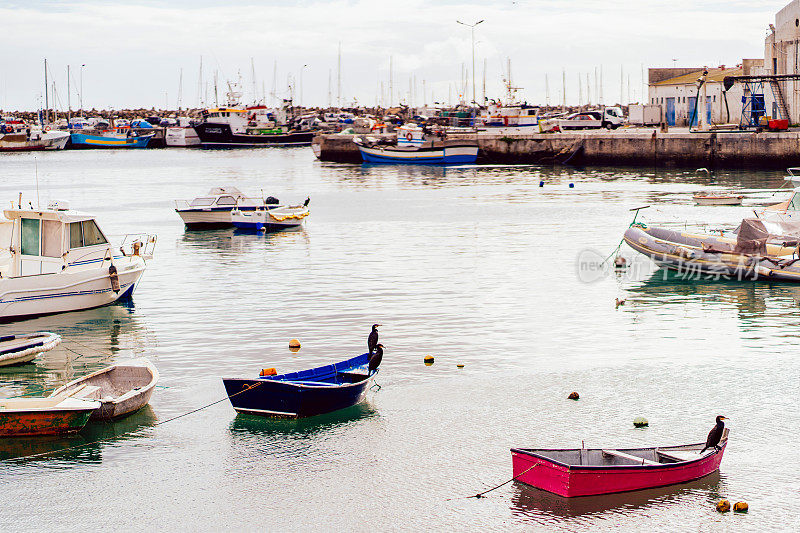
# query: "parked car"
[608,117]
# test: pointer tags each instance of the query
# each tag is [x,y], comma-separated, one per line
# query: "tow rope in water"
[480,494]
[85,444]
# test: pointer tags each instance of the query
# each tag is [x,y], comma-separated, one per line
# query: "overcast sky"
[133,52]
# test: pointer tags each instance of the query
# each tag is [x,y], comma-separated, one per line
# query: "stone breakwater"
[639,148]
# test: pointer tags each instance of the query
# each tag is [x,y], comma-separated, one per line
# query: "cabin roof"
[48,214]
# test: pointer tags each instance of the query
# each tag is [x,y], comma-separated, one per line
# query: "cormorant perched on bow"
[715,434]
[372,340]
[308,199]
[376,358]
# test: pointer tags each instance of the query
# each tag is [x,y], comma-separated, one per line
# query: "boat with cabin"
[32,139]
[21,349]
[213,210]
[54,260]
[589,472]
[122,388]
[301,394]
[414,147]
[56,415]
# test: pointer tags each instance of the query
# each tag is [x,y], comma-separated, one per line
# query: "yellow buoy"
[294,343]
[723,506]
[428,360]
[740,507]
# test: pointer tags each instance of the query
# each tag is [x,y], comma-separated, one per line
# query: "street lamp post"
[301,84]
[472,27]
[83,65]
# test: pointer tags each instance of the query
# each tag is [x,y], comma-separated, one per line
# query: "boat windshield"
[197,202]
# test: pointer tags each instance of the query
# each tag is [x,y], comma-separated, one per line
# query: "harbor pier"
[640,147]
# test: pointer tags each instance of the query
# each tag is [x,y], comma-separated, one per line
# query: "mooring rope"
[85,444]
[480,494]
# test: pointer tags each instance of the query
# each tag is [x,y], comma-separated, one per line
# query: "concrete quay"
[638,147]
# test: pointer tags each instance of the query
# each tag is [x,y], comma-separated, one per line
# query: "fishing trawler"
[55,260]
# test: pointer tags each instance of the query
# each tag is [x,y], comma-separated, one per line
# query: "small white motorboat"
[55,260]
[20,349]
[122,389]
[717,199]
[214,209]
[267,218]
[181,137]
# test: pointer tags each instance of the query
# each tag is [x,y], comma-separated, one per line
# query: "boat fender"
[763,271]
[409,136]
[114,277]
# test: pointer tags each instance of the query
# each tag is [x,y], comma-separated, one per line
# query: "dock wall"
[637,148]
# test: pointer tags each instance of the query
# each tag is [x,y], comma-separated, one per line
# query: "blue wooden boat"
[300,394]
[109,140]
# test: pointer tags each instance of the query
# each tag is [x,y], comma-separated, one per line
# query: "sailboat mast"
[253,74]
[46,94]
[69,101]
[339,78]
[180,89]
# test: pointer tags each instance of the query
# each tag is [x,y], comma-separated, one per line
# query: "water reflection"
[85,446]
[249,426]
[532,502]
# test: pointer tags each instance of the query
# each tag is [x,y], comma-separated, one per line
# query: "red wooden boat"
[44,416]
[588,472]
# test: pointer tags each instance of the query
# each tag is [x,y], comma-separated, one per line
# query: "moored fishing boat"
[122,389]
[214,209]
[109,139]
[268,218]
[43,416]
[305,393]
[20,349]
[757,249]
[257,126]
[413,148]
[55,260]
[589,472]
[717,199]
[33,140]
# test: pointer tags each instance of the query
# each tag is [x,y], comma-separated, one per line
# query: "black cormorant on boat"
[308,199]
[715,434]
[372,340]
[376,358]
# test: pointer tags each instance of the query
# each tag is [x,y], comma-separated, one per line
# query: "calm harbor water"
[474,265]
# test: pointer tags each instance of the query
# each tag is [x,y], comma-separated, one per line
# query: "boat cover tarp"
[753,233]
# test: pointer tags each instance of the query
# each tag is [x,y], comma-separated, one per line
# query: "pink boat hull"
[572,480]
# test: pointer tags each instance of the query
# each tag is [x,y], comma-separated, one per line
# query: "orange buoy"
[723,506]
[740,507]
[294,343]
[268,372]
[573,396]
[428,360]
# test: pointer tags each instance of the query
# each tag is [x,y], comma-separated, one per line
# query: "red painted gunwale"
[20,423]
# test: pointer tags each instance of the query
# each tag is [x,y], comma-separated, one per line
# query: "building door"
[690,112]
[670,111]
[708,110]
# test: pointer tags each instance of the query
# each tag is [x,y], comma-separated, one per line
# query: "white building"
[781,56]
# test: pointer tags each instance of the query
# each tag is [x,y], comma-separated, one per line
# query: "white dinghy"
[56,260]
[19,349]
[122,389]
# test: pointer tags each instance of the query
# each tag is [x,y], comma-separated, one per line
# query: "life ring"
[409,136]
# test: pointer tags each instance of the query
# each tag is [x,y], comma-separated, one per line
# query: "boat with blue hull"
[302,394]
[413,148]
[269,218]
[110,140]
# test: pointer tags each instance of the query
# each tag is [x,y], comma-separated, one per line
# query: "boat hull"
[572,481]
[289,400]
[83,140]
[718,200]
[137,379]
[181,137]
[447,155]
[46,294]
[209,218]
[269,220]
[18,350]
[220,136]
[54,140]
[36,422]
[684,253]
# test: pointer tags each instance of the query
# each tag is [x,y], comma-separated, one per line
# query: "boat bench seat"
[91,392]
[623,455]
[680,456]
